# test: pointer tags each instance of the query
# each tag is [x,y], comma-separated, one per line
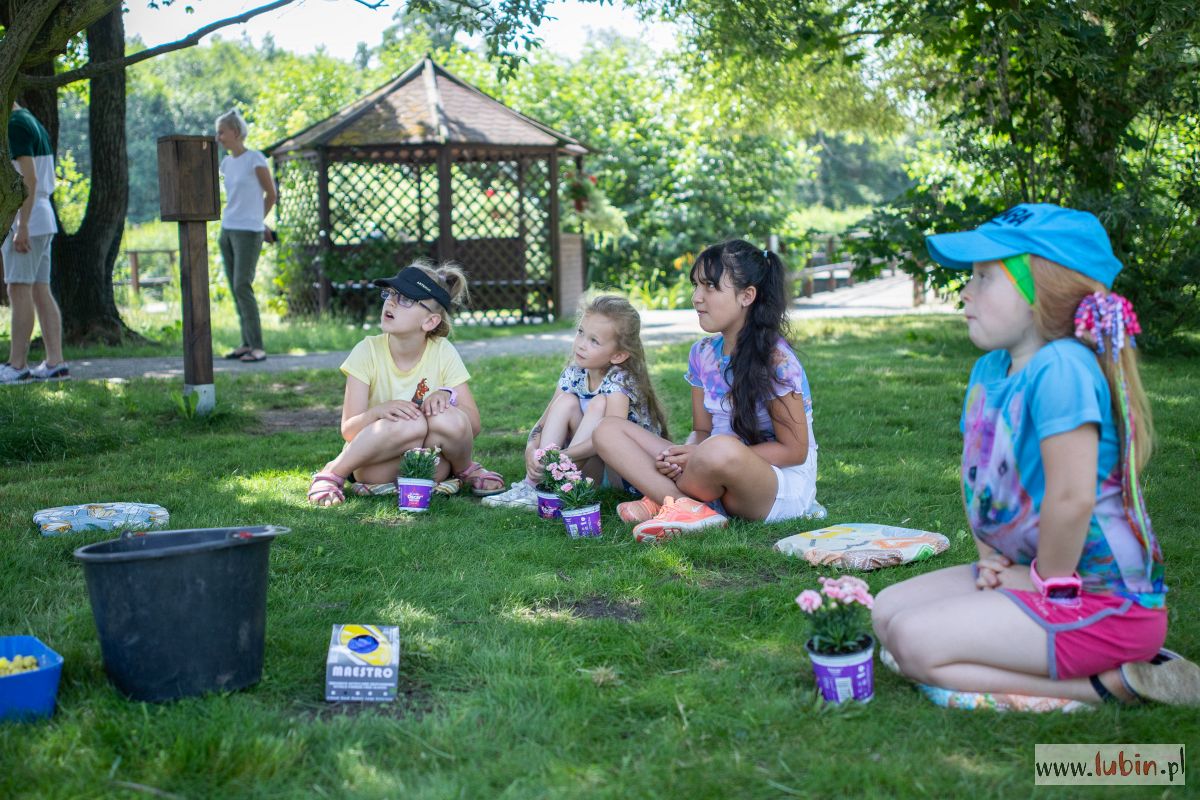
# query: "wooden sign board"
[187,179]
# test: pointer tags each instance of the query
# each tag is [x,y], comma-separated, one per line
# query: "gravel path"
[881,297]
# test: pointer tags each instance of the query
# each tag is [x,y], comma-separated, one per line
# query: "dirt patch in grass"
[598,607]
[298,420]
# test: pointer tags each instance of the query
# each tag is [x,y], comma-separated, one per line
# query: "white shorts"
[31,267]
[796,492]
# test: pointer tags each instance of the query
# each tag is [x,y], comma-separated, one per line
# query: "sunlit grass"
[534,666]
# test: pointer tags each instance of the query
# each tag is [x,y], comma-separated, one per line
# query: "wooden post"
[445,242]
[197,330]
[555,254]
[324,232]
[133,272]
[189,195]
[583,259]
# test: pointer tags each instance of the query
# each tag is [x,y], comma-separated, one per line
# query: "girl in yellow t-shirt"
[406,388]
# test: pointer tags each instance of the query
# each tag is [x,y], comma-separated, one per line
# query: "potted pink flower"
[580,509]
[414,484]
[551,460]
[840,643]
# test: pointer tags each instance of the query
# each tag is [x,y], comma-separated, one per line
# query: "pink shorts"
[1101,633]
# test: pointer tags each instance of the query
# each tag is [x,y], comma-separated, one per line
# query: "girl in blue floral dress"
[605,379]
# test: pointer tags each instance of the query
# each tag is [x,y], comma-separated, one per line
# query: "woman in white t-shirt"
[249,195]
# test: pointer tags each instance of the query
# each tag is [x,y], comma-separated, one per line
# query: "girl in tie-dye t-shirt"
[1066,602]
[751,452]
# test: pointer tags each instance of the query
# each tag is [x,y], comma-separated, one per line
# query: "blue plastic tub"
[29,695]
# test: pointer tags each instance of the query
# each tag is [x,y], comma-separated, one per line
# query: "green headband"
[1018,271]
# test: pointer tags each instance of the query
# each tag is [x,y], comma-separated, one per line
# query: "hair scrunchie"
[1106,322]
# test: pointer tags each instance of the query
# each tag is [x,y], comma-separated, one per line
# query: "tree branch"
[92,70]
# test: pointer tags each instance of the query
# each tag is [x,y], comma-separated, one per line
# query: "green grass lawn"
[532,665]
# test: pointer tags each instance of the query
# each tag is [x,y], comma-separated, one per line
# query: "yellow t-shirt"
[371,362]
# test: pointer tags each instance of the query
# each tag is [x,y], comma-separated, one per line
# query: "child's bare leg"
[725,468]
[932,587]
[631,449]
[980,642]
[451,431]
[373,455]
[561,419]
[583,450]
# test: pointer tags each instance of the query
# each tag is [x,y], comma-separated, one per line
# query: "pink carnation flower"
[809,601]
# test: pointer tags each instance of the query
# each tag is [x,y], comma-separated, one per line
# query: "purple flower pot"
[412,494]
[849,676]
[582,522]
[549,506]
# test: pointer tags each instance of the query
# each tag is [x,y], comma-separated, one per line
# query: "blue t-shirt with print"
[1004,419]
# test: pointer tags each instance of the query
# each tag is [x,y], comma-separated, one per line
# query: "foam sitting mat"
[863,545]
[986,701]
[995,701]
[100,517]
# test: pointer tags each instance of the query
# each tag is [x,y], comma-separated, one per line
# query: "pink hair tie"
[1110,317]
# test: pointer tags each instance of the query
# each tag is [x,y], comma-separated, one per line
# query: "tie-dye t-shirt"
[1004,419]
[574,380]
[708,369]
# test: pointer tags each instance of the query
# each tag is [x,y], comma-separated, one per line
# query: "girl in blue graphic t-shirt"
[1067,598]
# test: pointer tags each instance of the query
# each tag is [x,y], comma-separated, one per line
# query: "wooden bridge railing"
[136,280]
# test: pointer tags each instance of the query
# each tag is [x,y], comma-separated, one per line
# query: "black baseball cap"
[416,284]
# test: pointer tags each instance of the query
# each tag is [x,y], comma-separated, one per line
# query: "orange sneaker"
[676,516]
[638,510]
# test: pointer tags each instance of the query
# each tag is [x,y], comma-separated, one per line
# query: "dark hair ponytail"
[752,366]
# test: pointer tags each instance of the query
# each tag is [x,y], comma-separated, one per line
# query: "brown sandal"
[476,476]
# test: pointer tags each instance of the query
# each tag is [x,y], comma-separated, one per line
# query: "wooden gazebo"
[428,166]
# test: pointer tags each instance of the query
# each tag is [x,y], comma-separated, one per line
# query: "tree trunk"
[83,261]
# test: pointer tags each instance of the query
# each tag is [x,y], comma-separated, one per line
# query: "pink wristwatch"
[453,395]
[1063,589]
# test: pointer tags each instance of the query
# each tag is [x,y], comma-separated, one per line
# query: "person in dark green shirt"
[26,253]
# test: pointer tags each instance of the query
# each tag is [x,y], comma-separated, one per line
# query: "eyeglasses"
[402,301]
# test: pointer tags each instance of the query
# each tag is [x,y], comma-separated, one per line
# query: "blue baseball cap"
[1074,239]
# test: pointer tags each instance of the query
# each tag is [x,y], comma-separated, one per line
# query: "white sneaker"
[46,373]
[10,374]
[520,496]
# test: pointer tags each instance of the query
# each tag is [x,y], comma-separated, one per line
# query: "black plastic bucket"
[181,613]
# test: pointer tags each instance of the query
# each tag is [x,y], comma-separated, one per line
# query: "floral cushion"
[100,517]
[863,545]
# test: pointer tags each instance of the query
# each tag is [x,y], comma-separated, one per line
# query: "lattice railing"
[298,226]
[385,215]
[500,224]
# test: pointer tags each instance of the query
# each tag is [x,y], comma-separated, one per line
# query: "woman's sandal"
[478,477]
[326,489]
[237,353]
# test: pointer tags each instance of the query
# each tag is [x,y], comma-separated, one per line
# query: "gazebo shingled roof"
[428,105]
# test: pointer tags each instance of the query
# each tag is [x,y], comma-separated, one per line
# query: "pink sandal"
[476,476]
[326,489]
